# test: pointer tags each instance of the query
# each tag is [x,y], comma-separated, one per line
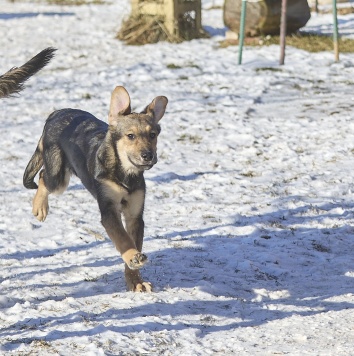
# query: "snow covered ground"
[249,212]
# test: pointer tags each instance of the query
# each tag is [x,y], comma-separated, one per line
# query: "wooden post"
[283,31]
[335,32]
[170,11]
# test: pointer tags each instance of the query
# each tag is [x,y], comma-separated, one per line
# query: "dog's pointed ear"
[157,108]
[120,104]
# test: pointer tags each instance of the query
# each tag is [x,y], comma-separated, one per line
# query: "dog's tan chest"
[129,203]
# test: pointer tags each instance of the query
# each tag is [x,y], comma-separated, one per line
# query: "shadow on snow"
[287,267]
[19,15]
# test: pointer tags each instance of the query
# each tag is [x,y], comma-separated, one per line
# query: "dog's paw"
[135,283]
[40,206]
[138,261]
[143,287]
[40,212]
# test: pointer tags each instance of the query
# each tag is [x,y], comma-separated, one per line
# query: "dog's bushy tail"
[12,82]
[33,167]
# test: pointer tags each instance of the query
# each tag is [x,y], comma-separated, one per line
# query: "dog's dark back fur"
[12,82]
[80,143]
[56,129]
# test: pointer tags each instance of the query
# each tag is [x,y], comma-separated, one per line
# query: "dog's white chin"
[135,169]
[143,167]
[146,167]
[140,166]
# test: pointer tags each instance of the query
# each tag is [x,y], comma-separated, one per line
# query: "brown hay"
[143,29]
[139,30]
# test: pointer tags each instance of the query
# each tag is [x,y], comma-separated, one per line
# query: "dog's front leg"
[112,222]
[135,229]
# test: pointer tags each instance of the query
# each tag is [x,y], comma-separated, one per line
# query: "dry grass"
[304,41]
[340,10]
[140,30]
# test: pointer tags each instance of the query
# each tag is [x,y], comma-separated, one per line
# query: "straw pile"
[139,30]
[142,29]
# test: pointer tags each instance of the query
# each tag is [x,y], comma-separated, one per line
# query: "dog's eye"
[131,136]
[152,135]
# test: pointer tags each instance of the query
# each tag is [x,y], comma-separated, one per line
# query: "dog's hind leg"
[40,202]
[33,167]
[54,178]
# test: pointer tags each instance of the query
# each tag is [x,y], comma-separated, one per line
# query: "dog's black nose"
[147,156]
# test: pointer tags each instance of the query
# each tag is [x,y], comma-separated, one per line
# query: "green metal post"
[335,32]
[242,30]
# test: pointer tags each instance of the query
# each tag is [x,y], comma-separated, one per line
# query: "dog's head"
[135,133]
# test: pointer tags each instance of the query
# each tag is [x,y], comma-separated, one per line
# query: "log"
[263,17]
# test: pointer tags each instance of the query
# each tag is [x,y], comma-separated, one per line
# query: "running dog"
[110,160]
[12,82]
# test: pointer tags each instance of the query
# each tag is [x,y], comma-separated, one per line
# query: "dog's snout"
[147,156]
